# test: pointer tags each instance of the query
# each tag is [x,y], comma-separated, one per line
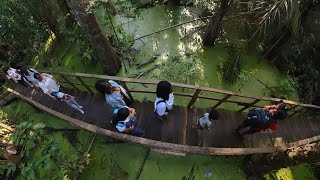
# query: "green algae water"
[169,43]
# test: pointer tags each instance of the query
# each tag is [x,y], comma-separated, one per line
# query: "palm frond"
[278,12]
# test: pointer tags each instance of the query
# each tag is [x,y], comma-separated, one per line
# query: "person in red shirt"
[260,119]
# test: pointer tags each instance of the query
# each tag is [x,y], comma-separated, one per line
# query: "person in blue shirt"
[113,92]
[125,122]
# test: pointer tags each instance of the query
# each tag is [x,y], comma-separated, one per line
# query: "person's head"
[213,115]
[282,107]
[38,76]
[104,87]
[108,88]
[120,115]
[280,115]
[164,88]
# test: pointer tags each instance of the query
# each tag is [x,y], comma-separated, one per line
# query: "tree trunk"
[88,22]
[215,24]
[65,9]
[50,18]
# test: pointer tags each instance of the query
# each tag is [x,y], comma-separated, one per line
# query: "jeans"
[137,131]
[72,103]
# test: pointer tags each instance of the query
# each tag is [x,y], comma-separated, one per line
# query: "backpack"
[259,117]
[155,110]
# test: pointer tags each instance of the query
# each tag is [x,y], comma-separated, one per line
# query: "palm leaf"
[276,13]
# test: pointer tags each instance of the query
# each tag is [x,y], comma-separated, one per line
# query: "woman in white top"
[165,99]
[14,75]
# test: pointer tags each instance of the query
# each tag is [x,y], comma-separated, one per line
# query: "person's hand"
[132,112]
[131,127]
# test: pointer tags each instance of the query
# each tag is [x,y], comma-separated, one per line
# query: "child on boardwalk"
[125,121]
[205,121]
[69,100]
[164,101]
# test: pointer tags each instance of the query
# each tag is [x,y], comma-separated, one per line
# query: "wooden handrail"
[186,86]
[180,148]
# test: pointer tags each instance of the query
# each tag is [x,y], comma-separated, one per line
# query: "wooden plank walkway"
[178,127]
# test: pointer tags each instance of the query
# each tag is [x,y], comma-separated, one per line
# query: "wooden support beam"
[194,98]
[128,91]
[85,85]
[69,82]
[221,101]
[249,105]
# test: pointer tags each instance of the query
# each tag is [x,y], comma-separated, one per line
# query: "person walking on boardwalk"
[67,98]
[260,119]
[47,83]
[14,75]
[205,121]
[165,99]
[125,121]
[29,75]
[115,95]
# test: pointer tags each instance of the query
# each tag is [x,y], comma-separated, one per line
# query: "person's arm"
[113,83]
[170,101]
[69,96]
[49,94]
[208,127]
[132,112]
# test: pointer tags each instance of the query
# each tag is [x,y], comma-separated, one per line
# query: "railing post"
[194,98]
[222,101]
[249,105]
[84,84]
[69,82]
[128,91]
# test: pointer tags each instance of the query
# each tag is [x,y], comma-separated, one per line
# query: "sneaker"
[81,111]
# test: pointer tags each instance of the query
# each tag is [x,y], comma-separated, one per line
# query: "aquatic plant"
[231,69]
[183,69]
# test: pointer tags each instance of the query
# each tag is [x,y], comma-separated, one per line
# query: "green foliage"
[183,69]
[302,58]
[279,12]
[27,136]
[119,37]
[244,78]
[230,70]
[43,155]
[286,87]
[20,31]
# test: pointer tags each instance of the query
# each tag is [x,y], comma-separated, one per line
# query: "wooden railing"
[295,108]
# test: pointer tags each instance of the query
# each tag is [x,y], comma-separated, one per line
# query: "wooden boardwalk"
[178,128]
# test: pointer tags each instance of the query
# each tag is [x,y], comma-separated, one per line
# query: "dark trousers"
[23,83]
[137,131]
[246,124]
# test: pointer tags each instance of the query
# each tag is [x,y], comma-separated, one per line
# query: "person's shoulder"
[161,104]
